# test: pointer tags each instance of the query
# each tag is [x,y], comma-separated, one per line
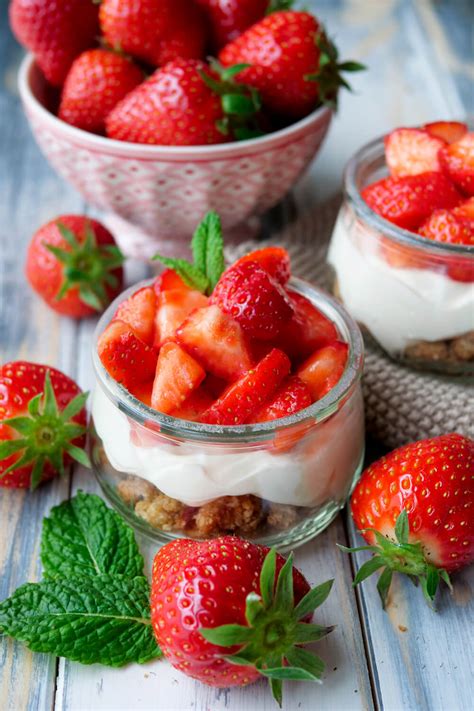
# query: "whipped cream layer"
[318,468]
[398,306]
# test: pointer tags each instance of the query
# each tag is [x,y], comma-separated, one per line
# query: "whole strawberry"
[42,424]
[220,617]
[293,64]
[56,31]
[415,507]
[155,31]
[74,264]
[229,18]
[96,82]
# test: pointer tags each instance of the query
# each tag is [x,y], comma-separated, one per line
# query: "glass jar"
[278,483]
[413,295]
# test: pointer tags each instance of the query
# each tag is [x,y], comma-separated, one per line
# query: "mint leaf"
[208,248]
[102,619]
[190,274]
[83,535]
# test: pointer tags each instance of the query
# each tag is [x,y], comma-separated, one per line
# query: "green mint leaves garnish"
[94,604]
[271,640]
[208,254]
[402,557]
[46,435]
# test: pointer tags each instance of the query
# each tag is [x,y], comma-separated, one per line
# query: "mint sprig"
[208,256]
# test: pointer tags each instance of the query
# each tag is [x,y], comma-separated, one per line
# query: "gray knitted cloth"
[402,405]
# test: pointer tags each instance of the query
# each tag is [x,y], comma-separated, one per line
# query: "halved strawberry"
[216,341]
[139,312]
[173,306]
[307,330]
[125,356]
[449,131]
[291,397]
[195,405]
[244,398]
[457,160]
[411,151]
[177,375]
[408,201]
[324,368]
[275,261]
[167,280]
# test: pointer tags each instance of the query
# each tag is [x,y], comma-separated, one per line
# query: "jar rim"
[371,151]
[317,412]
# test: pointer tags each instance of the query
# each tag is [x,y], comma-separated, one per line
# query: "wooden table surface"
[420,59]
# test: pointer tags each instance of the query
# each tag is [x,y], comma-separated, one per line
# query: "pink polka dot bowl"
[154,196]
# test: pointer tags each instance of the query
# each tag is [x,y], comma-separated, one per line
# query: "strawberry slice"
[177,375]
[457,160]
[307,330]
[244,398]
[411,151]
[167,280]
[125,356]
[408,201]
[447,226]
[324,368]
[274,260]
[216,341]
[291,397]
[449,131]
[192,408]
[173,306]
[139,312]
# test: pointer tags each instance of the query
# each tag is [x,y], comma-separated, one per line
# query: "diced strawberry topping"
[255,300]
[457,160]
[408,201]
[275,261]
[173,306]
[411,151]
[449,131]
[465,211]
[324,368]
[125,356]
[142,392]
[216,341]
[192,408]
[177,375]
[307,330]
[446,226]
[139,312]
[291,397]
[241,400]
[167,280]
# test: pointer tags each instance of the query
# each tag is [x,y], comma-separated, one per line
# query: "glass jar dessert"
[279,482]
[413,295]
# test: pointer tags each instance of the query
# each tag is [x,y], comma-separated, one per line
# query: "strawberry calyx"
[329,73]
[87,266]
[279,6]
[402,557]
[46,434]
[273,638]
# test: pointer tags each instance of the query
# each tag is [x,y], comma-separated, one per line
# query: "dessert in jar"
[228,402]
[403,245]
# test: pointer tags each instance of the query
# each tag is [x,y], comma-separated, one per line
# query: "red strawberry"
[229,18]
[449,131]
[42,424]
[173,306]
[291,397]
[139,312]
[74,264]
[465,211]
[255,300]
[216,341]
[168,280]
[126,358]
[211,599]
[240,402]
[411,151]
[457,160]
[408,201]
[56,31]
[96,82]
[194,406]
[323,370]
[142,392]
[284,51]
[306,331]
[155,32]
[446,226]
[274,260]
[417,504]
[177,375]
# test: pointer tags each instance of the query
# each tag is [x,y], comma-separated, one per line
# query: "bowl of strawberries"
[403,245]
[151,130]
[227,400]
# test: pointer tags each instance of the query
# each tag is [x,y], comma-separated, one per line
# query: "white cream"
[316,469]
[398,306]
